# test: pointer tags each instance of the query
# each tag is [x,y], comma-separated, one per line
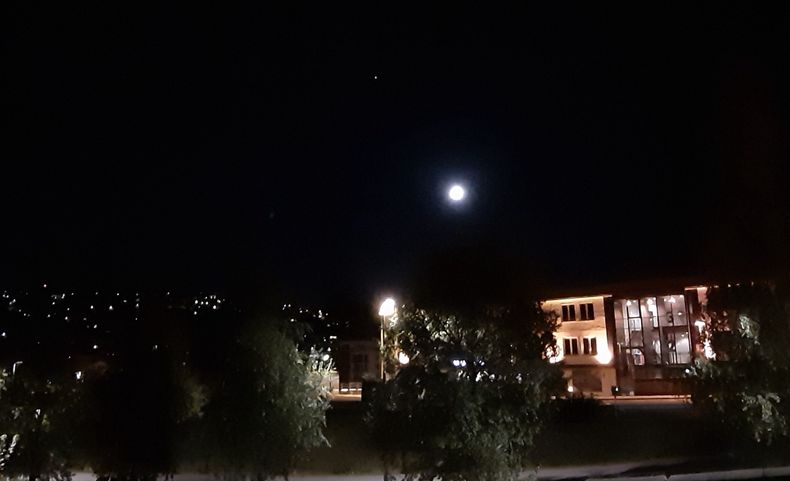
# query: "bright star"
[456,193]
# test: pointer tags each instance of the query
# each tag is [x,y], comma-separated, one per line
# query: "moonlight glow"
[456,193]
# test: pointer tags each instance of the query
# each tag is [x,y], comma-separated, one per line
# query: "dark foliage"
[136,390]
[467,406]
[40,417]
[265,405]
[746,384]
[577,409]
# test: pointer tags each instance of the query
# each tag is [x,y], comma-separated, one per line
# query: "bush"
[577,409]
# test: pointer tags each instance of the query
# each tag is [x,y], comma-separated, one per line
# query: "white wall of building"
[581,365]
[580,329]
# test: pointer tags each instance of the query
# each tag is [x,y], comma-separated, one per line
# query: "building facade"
[632,340]
[356,361]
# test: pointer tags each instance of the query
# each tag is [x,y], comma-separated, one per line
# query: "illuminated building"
[638,338]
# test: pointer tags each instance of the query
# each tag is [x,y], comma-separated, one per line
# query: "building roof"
[634,288]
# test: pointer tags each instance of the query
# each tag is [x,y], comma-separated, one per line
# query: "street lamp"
[387,309]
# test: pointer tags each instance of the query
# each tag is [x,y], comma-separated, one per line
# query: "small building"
[356,361]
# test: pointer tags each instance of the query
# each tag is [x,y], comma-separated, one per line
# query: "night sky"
[306,153]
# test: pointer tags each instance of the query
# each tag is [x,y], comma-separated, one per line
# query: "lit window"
[639,358]
[590,345]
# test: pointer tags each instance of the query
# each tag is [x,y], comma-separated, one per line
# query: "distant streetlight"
[457,193]
[387,309]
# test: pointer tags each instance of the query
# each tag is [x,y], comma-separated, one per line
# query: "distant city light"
[456,193]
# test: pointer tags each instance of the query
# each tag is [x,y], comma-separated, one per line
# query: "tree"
[39,417]
[266,405]
[40,398]
[745,379]
[468,404]
[141,396]
[137,413]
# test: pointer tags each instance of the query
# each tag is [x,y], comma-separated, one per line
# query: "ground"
[628,433]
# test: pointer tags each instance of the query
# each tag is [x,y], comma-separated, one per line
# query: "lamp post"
[387,309]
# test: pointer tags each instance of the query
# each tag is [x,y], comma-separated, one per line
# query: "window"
[587,312]
[568,313]
[571,346]
[590,346]
[639,358]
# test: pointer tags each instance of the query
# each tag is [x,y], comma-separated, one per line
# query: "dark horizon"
[305,154]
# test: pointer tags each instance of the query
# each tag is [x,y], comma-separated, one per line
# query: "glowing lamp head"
[456,193]
[387,307]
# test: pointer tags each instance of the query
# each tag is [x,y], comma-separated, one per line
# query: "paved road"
[550,473]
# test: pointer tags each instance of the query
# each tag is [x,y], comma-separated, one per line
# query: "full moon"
[456,193]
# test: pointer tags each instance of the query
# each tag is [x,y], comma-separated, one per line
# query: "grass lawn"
[629,435]
[351,450]
[610,436]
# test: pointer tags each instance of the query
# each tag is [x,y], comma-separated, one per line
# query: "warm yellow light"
[708,350]
[403,358]
[387,307]
[604,355]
